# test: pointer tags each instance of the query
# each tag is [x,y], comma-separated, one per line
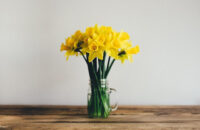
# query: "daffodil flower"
[97,40]
[127,53]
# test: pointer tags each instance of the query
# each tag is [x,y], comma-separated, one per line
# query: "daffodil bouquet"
[100,47]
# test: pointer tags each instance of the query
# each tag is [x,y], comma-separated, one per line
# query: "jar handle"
[116,103]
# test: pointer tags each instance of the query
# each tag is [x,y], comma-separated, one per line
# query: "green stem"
[108,63]
[103,65]
[95,64]
[90,70]
[84,56]
[94,72]
[108,70]
[86,60]
[98,103]
[99,69]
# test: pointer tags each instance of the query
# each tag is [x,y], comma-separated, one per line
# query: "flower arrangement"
[100,46]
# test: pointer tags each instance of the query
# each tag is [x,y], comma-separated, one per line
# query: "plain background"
[34,71]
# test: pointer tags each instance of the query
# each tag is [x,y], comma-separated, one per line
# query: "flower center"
[79,46]
[121,53]
[94,47]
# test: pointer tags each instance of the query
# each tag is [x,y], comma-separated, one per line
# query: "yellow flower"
[99,39]
[63,47]
[72,44]
[133,50]
[95,50]
[77,36]
[123,36]
[120,47]
[68,46]
[127,53]
[116,43]
[95,41]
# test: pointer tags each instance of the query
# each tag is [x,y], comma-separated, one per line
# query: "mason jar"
[99,99]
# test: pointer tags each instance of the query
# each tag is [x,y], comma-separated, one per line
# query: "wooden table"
[75,117]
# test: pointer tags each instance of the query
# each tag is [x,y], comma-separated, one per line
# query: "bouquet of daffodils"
[100,47]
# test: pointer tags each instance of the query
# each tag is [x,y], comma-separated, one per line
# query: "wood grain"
[75,117]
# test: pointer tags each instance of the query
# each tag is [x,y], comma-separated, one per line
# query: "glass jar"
[99,99]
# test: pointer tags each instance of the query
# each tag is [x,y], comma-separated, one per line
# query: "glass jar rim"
[102,82]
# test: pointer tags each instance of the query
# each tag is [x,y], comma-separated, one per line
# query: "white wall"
[34,71]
